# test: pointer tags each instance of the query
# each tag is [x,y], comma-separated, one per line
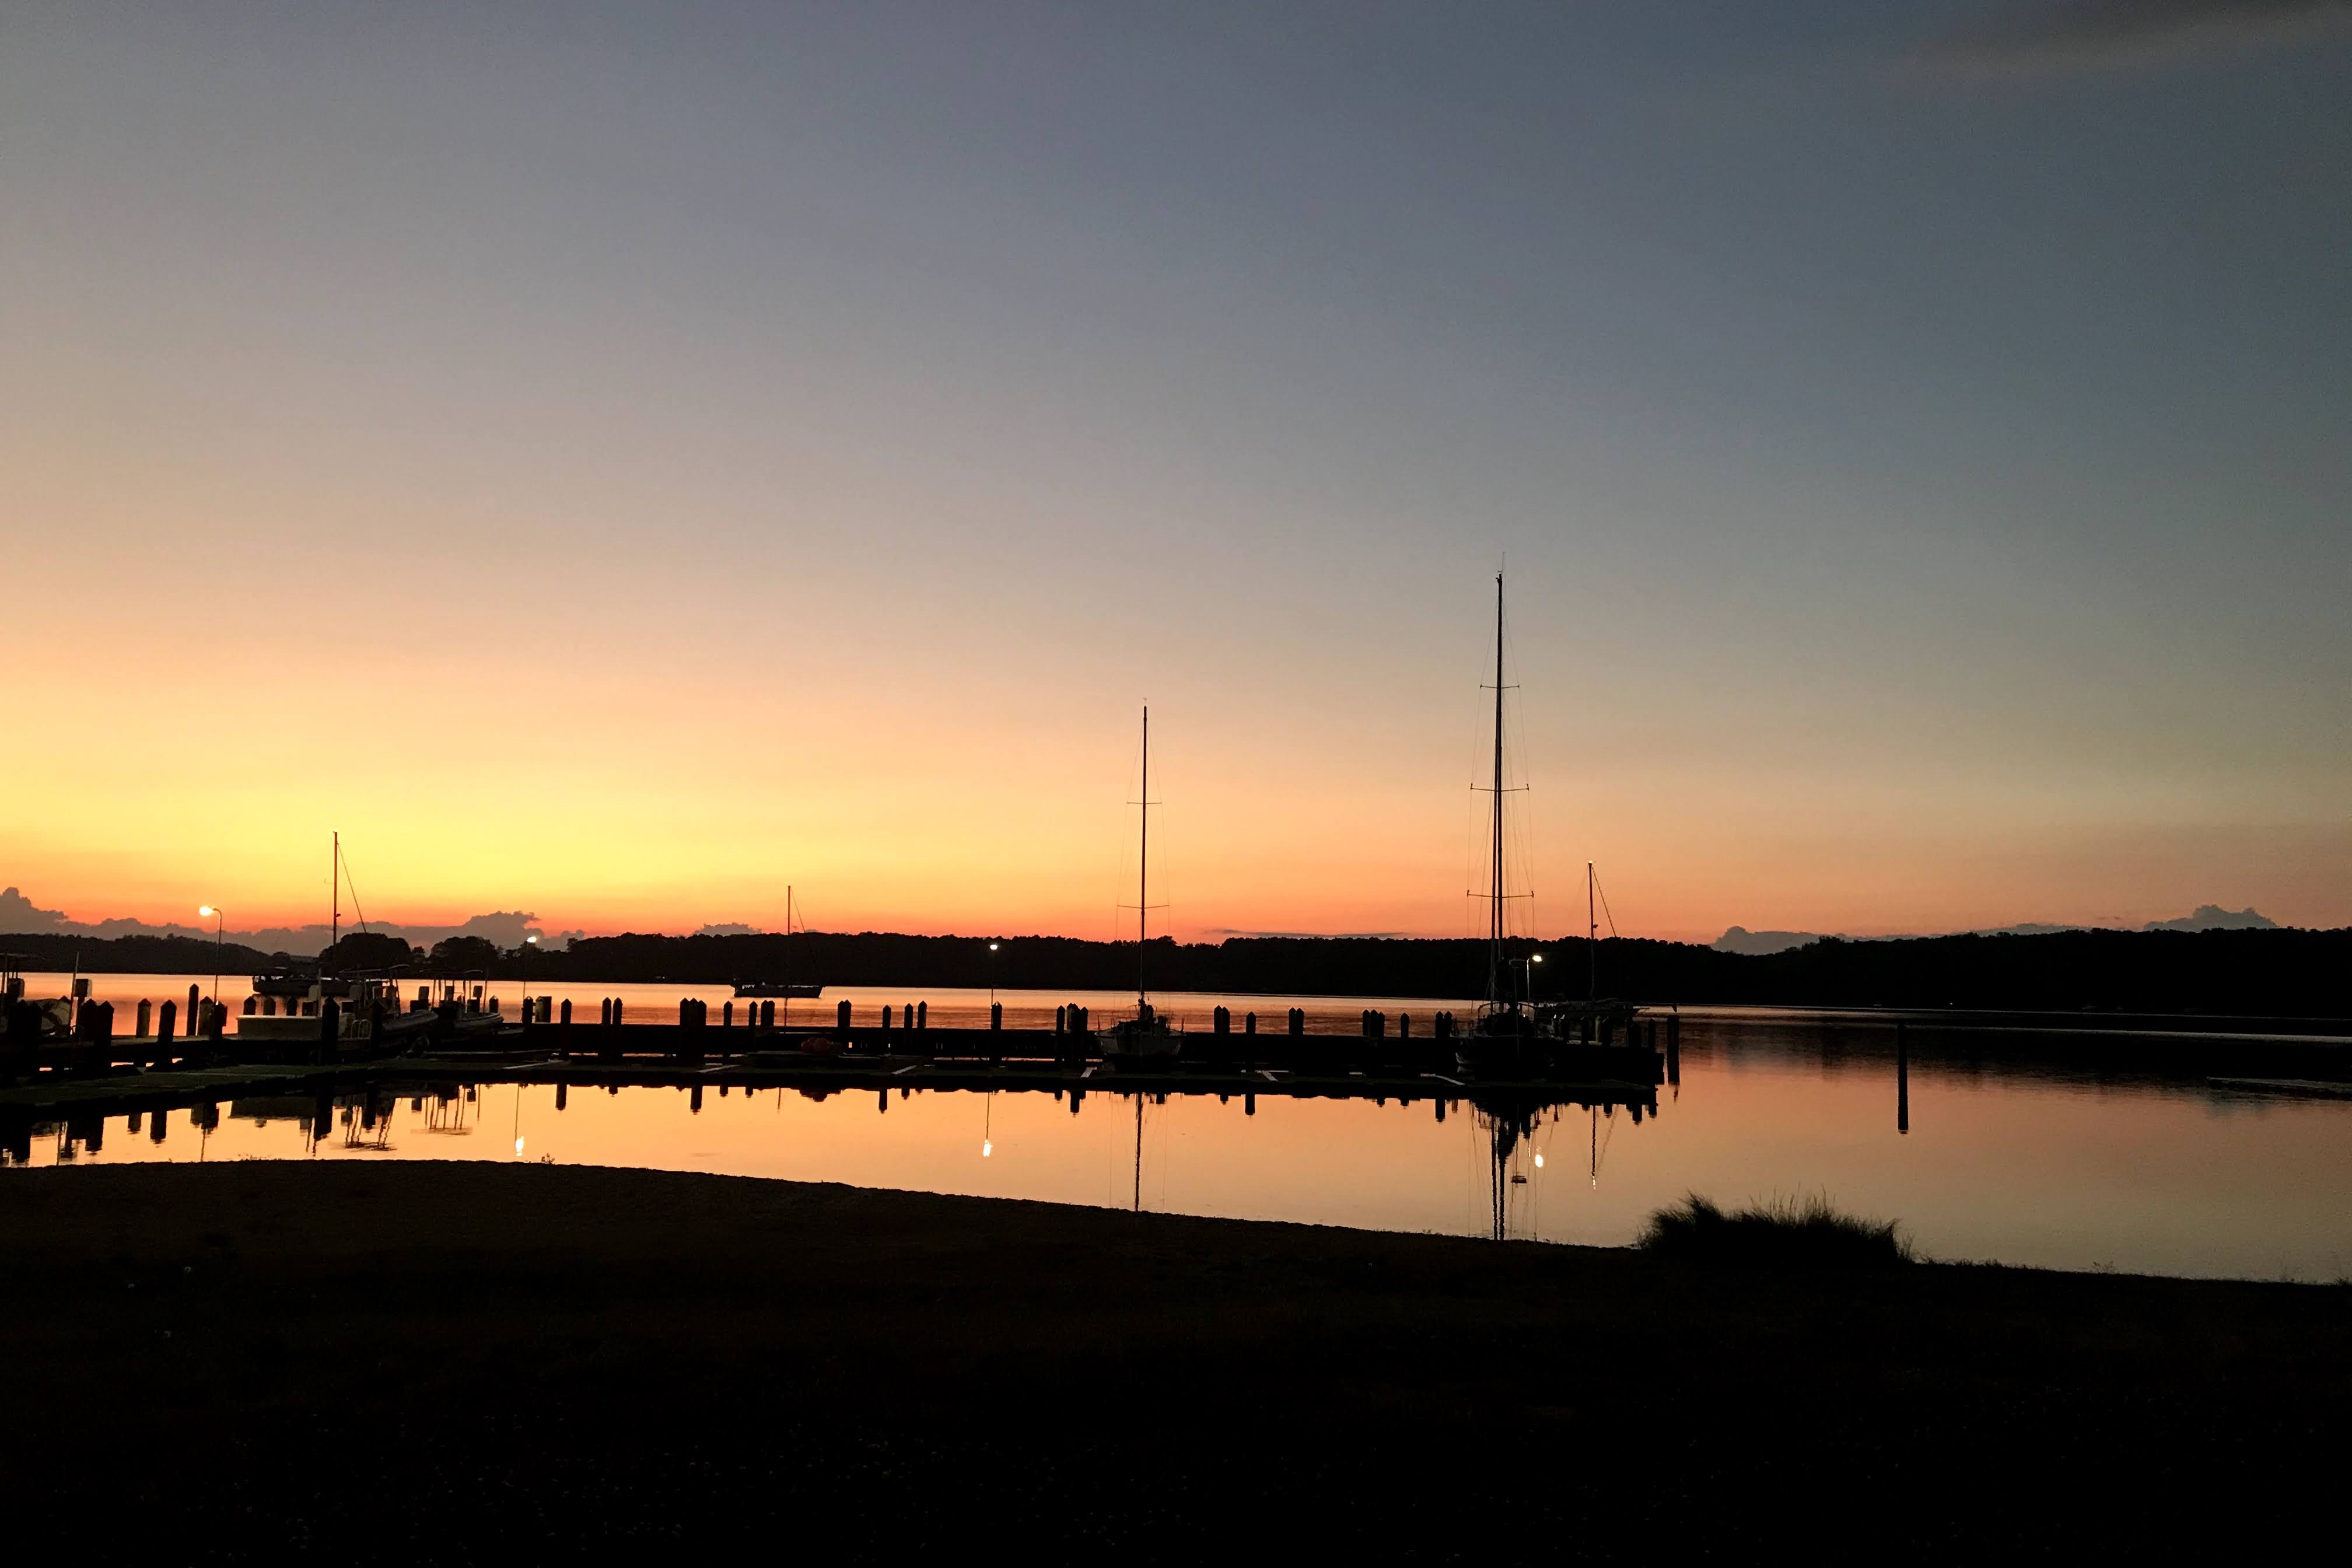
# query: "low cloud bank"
[506,928]
[2206,917]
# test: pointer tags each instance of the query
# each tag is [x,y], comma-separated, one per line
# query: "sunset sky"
[616,461]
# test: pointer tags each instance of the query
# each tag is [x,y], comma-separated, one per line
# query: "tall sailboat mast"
[335,885]
[1592,940]
[1495,976]
[1143,879]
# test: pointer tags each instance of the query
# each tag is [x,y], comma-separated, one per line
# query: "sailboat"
[784,987]
[298,980]
[1512,1032]
[1147,1035]
[1501,1015]
[368,1003]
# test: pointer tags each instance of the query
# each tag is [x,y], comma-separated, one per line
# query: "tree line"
[2279,972]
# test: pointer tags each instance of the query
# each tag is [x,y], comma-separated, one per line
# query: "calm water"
[2020,1162]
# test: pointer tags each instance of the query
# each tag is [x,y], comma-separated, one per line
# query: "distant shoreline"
[2244,974]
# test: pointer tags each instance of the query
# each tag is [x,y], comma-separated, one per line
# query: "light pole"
[1533,958]
[208,909]
[991,977]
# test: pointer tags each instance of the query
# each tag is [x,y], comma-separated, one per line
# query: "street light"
[202,910]
[991,976]
[1534,958]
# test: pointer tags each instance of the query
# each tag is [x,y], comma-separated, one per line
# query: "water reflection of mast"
[1138,1151]
[1506,1127]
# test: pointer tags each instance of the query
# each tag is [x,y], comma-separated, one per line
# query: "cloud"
[1222,931]
[19,914]
[505,927]
[2077,35]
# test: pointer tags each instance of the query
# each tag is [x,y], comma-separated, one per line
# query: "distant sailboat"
[784,985]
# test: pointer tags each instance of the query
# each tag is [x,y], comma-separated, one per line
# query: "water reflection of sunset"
[2024,1166]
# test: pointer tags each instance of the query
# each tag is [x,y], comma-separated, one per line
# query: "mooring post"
[195,1014]
[567,1012]
[1298,1021]
[922,1014]
[842,1016]
[1404,1025]
[1062,1020]
[165,1016]
[1249,1023]
[1902,1080]
[1221,1021]
[726,1015]
[144,1019]
[886,1020]
[995,1017]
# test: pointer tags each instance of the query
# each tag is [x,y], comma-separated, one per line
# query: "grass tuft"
[1786,1232]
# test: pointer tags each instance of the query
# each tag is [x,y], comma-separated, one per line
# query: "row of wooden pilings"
[1376,1025]
[92,1036]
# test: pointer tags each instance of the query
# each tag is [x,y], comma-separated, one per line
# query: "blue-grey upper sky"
[1918,431]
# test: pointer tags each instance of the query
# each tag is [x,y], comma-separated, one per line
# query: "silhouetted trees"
[2276,972]
[458,954]
[367,950]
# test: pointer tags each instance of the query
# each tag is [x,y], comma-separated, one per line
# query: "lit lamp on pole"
[992,975]
[1533,959]
[208,913]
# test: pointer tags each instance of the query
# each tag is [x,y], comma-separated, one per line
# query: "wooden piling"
[1902,1079]
[841,1015]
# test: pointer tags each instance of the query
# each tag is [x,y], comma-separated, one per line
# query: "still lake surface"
[2016,1160]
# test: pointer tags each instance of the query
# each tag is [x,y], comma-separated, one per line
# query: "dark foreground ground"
[465,1363]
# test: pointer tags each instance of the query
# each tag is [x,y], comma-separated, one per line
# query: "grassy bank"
[457,1363]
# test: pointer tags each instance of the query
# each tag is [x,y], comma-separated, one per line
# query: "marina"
[2083,1150]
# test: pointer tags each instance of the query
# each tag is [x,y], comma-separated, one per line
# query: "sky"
[617,462]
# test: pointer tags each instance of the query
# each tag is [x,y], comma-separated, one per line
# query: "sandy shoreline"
[465,1360]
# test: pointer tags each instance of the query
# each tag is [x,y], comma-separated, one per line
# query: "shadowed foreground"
[461,1362]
